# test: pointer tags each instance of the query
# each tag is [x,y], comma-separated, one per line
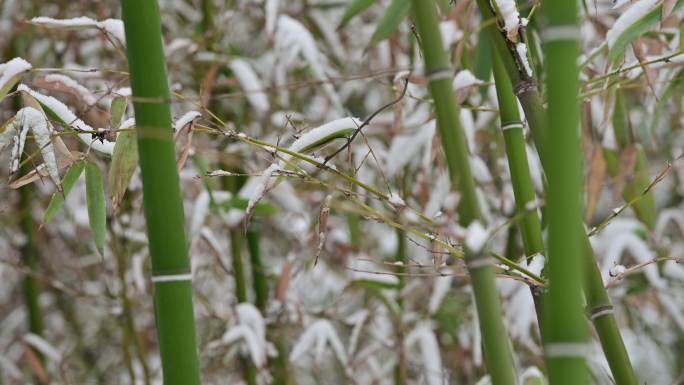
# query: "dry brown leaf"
[40,171]
[668,6]
[595,178]
[284,281]
[627,161]
[36,364]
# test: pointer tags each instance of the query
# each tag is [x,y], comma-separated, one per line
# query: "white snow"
[476,236]
[395,200]
[185,119]
[465,79]
[440,288]
[251,84]
[316,337]
[321,132]
[431,359]
[617,270]
[627,18]
[85,93]
[61,110]
[112,27]
[10,70]
[32,119]
[521,48]
[509,13]
[43,346]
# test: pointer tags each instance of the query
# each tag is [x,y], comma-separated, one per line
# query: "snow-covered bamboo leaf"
[10,74]
[354,8]
[310,141]
[58,111]
[124,163]
[634,22]
[250,82]
[68,182]
[31,119]
[95,199]
[396,12]
[8,131]
[113,28]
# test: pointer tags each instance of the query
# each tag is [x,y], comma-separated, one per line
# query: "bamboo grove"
[359,191]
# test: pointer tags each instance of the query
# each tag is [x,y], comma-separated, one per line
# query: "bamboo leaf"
[597,174]
[95,199]
[10,74]
[636,29]
[68,182]
[124,163]
[397,11]
[668,7]
[117,110]
[354,8]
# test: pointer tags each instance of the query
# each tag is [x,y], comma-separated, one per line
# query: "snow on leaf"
[251,329]
[440,288]
[65,117]
[40,344]
[405,148]
[431,359]
[73,86]
[11,72]
[31,119]
[293,39]
[112,27]
[316,337]
[187,118]
[310,141]
[465,79]
[251,84]
[7,136]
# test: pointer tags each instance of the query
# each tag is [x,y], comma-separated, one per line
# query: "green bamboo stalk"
[29,257]
[521,179]
[598,302]
[496,345]
[564,323]
[514,138]
[161,194]
[258,270]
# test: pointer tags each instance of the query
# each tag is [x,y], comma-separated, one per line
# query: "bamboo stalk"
[258,270]
[594,291]
[564,323]
[521,179]
[161,194]
[496,345]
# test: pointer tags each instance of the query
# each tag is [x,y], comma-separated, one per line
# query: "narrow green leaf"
[354,8]
[117,110]
[397,11]
[340,134]
[124,163]
[641,26]
[261,208]
[95,199]
[68,183]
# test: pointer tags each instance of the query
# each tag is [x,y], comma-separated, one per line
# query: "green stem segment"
[564,323]
[595,293]
[440,76]
[521,179]
[161,194]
